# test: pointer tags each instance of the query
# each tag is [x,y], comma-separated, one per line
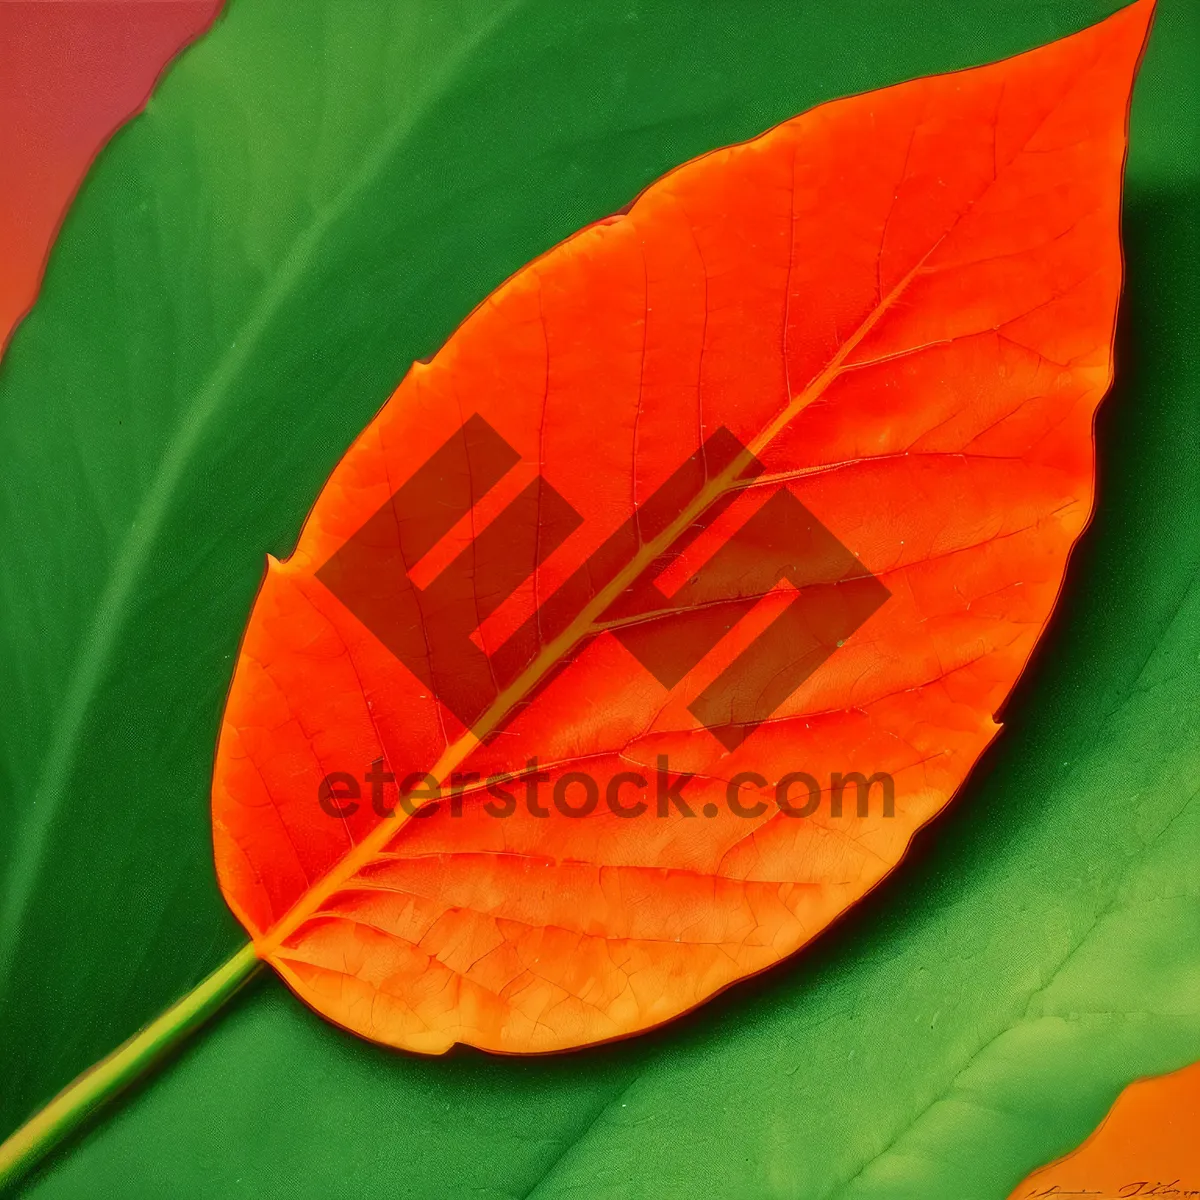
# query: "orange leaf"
[767,482]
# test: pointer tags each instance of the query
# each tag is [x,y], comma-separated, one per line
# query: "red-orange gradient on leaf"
[901,305]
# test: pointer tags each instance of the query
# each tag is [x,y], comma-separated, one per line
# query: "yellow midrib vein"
[584,624]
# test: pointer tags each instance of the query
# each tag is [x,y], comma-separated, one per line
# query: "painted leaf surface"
[901,305]
[972,1018]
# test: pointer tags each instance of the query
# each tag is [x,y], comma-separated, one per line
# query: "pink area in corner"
[71,73]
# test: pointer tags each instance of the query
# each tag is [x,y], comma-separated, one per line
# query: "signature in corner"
[1127,1191]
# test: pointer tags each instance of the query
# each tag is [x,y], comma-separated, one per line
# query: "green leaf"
[315,197]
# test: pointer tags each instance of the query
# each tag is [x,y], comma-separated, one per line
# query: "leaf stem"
[101,1082]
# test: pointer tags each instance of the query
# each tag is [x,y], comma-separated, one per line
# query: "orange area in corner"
[1147,1146]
